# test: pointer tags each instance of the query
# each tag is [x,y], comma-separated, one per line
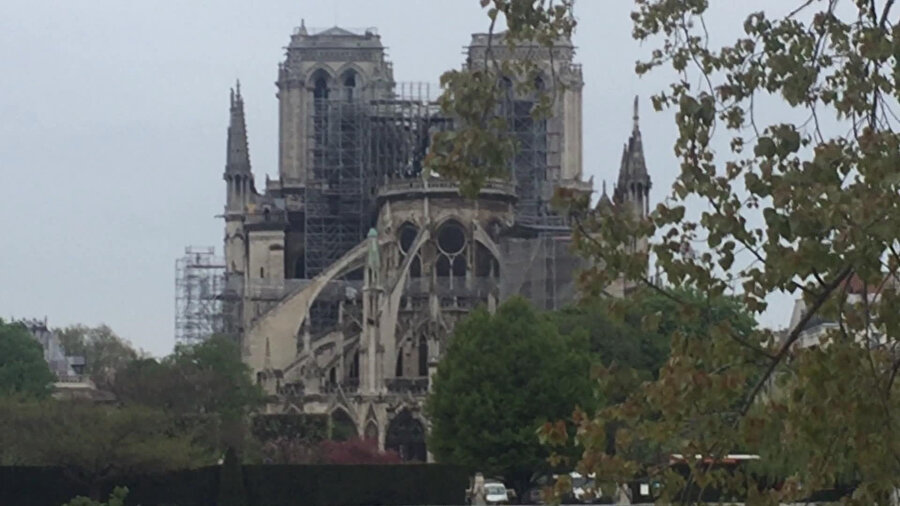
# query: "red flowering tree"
[356,451]
[352,451]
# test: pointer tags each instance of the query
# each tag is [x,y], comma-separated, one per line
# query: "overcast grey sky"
[112,137]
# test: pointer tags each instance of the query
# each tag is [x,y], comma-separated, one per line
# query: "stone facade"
[347,274]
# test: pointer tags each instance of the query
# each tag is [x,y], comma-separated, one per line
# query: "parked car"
[584,489]
[495,493]
[533,496]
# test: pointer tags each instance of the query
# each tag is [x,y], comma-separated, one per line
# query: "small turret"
[633,185]
[238,175]
[604,202]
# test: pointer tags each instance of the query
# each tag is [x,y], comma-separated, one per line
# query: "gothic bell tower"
[327,64]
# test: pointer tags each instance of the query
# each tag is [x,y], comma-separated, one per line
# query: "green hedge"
[382,485]
[265,485]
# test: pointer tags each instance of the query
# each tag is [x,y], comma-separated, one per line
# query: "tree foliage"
[207,378]
[23,370]
[95,444]
[803,201]
[204,385]
[490,392]
[480,146]
[104,352]
[116,498]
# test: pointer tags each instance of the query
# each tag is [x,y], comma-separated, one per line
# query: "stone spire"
[604,201]
[237,160]
[634,182]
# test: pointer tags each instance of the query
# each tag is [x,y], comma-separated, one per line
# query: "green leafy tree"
[23,370]
[96,445]
[104,352]
[207,378]
[220,379]
[205,385]
[630,337]
[491,391]
[801,200]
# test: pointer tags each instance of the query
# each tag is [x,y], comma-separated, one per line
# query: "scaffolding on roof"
[359,140]
[199,283]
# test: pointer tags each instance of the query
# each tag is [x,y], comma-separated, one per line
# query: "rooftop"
[335,37]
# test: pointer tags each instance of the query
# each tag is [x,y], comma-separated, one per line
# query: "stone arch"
[342,425]
[406,436]
[407,233]
[320,71]
[351,264]
[351,81]
[358,72]
[486,264]
[406,237]
[371,431]
[416,348]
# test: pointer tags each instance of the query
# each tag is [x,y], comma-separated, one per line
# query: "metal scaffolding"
[357,141]
[546,268]
[531,164]
[199,283]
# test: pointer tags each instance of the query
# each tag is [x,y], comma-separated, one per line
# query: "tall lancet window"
[349,81]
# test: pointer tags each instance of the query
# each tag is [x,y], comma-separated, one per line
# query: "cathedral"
[346,274]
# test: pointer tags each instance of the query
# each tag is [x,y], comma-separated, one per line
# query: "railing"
[348,386]
[544,221]
[292,390]
[72,379]
[418,185]
[455,286]
[416,386]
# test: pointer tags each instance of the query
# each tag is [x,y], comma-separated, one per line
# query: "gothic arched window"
[320,89]
[349,82]
[452,248]
[423,356]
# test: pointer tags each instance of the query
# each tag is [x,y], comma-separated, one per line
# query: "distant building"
[71,381]
[65,367]
[818,327]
